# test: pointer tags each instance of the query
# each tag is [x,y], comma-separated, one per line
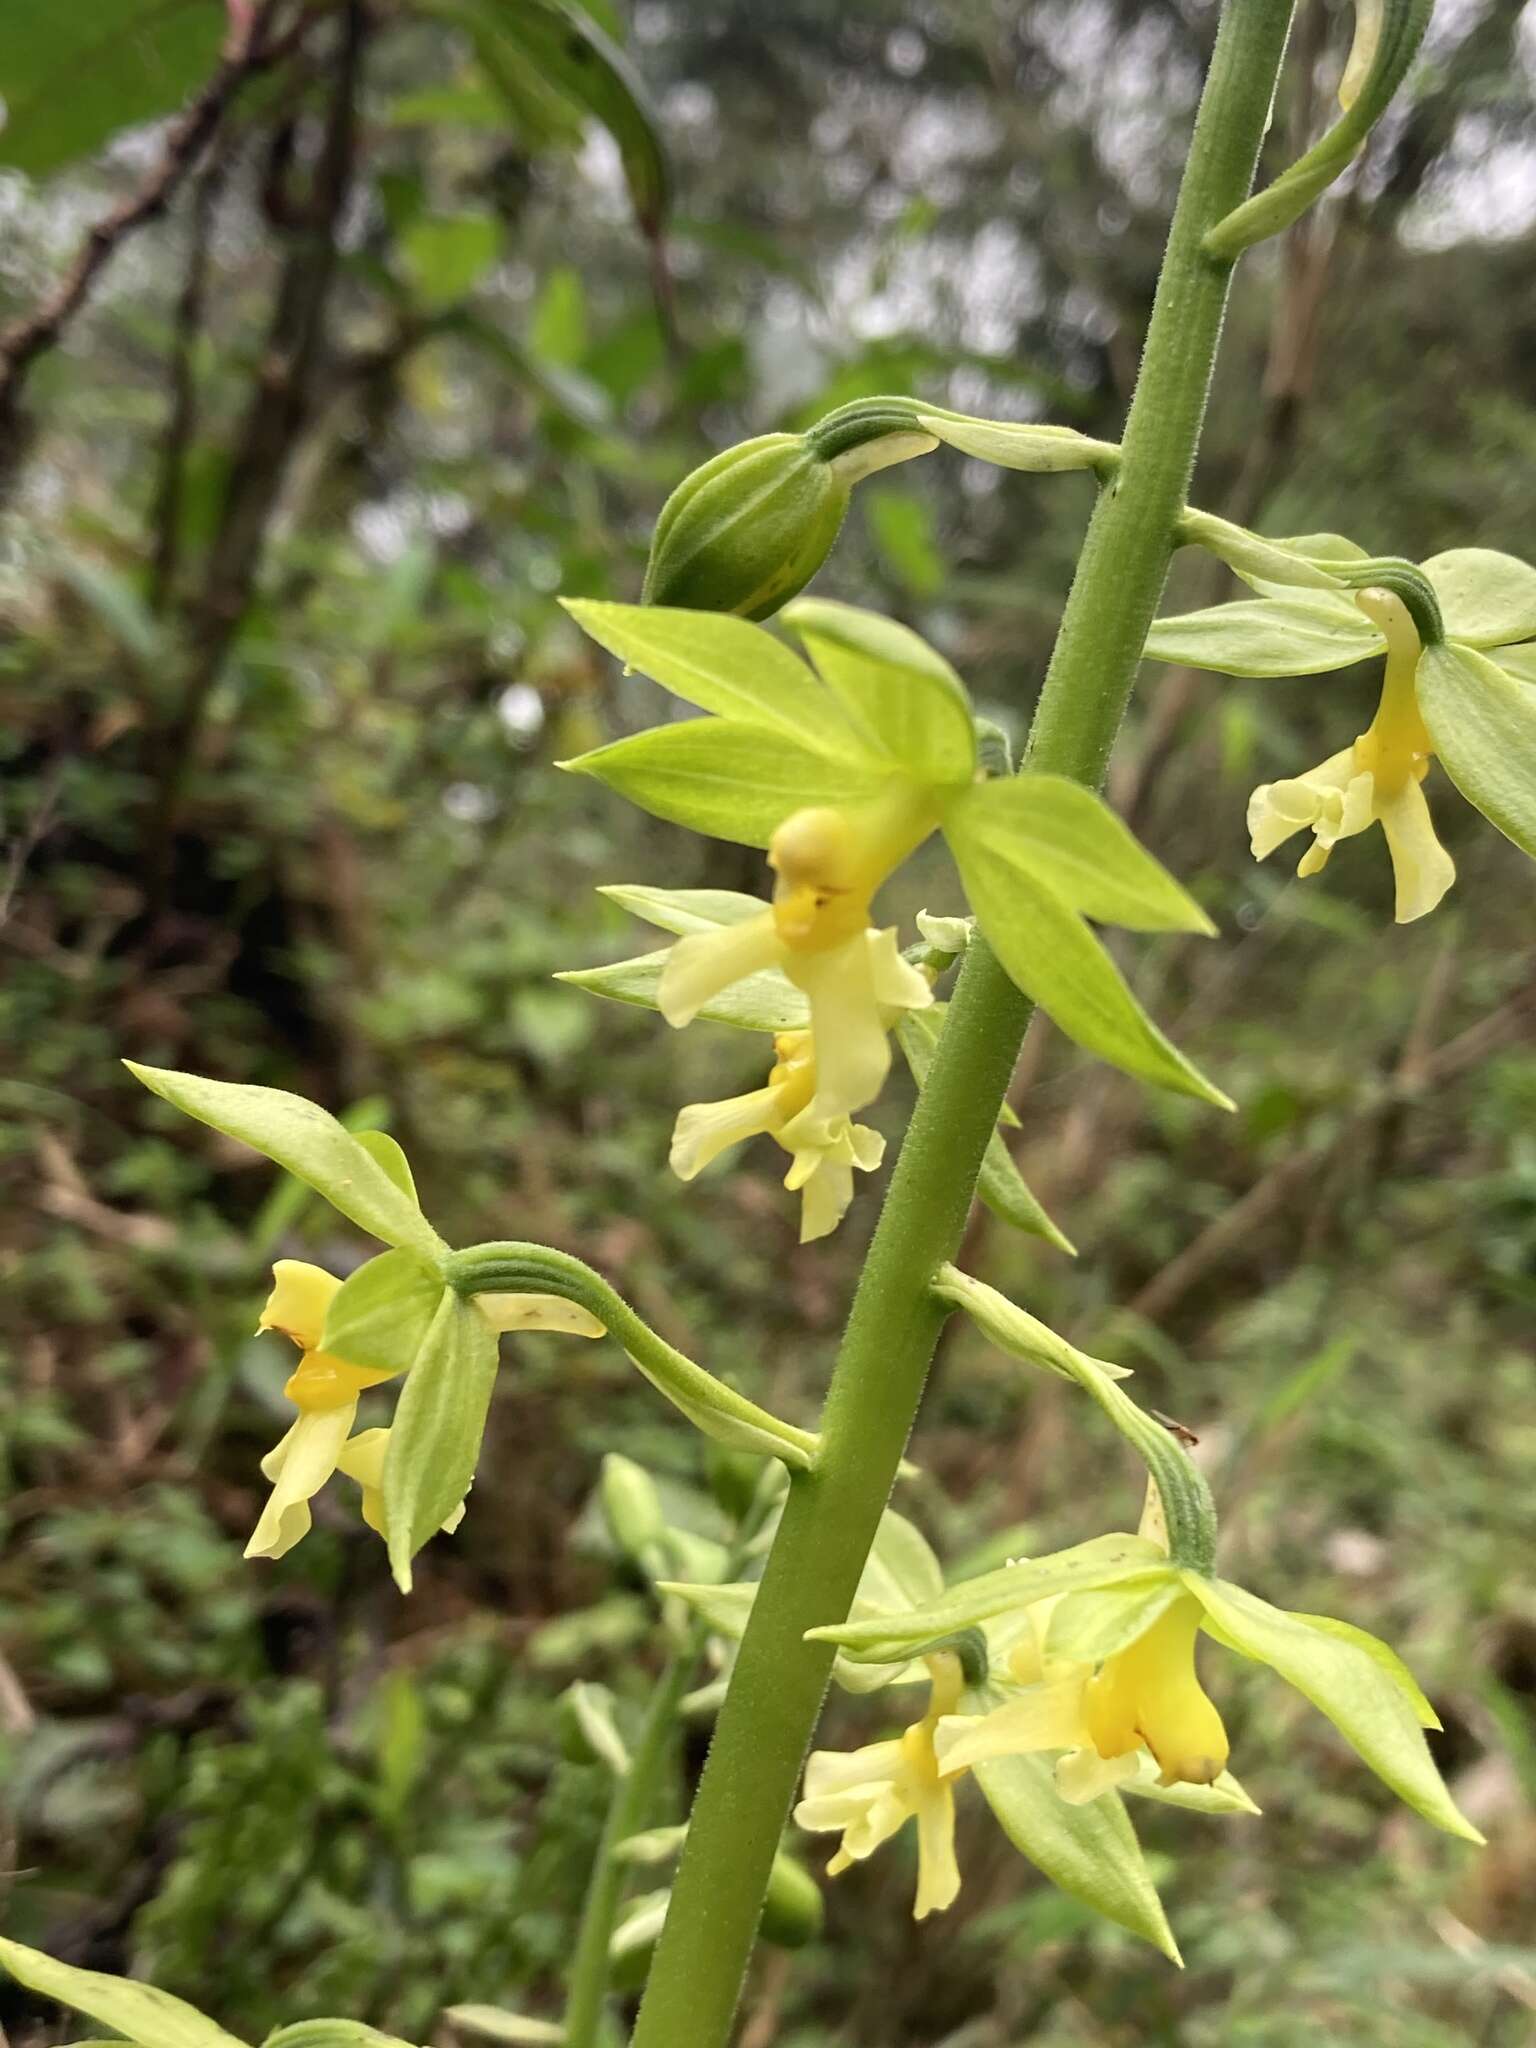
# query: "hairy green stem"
[834,1510]
[628,1811]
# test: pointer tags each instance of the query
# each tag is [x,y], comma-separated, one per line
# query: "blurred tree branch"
[249,52]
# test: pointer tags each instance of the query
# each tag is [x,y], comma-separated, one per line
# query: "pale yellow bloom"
[869,1794]
[325,1389]
[1378,780]
[817,931]
[823,1153]
[1145,1698]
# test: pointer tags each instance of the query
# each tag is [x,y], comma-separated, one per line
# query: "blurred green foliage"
[354,869]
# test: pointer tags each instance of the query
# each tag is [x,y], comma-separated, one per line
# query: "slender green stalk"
[628,1811]
[833,1511]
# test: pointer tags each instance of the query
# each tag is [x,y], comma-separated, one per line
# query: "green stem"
[628,1811]
[833,1511]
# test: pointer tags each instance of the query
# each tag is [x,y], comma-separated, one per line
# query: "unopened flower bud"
[793,1909]
[631,1505]
[751,527]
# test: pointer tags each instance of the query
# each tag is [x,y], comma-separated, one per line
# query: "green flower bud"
[793,1910]
[751,527]
[631,1505]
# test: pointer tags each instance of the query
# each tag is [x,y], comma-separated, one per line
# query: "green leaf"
[1485,597]
[766,1001]
[726,665]
[446,255]
[1483,724]
[492,2024]
[72,76]
[1052,956]
[1103,1561]
[901,694]
[1000,1184]
[1018,444]
[1294,635]
[726,778]
[558,328]
[332,2034]
[439,1422]
[1363,1696]
[310,1143]
[1088,1851]
[150,2018]
[1073,842]
[380,1316]
[572,55]
[684,911]
[1223,1795]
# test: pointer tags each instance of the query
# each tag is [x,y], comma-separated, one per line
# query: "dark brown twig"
[275,419]
[248,52]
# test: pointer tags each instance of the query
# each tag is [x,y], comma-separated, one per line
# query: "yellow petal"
[706,1129]
[704,963]
[853,1055]
[298,1468]
[297,1305]
[1420,864]
[824,1197]
[938,1873]
[1084,1775]
[362,1458]
[898,985]
[1045,1717]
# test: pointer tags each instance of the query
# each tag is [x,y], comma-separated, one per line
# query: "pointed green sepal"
[380,1316]
[1483,724]
[434,1443]
[310,1143]
[893,686]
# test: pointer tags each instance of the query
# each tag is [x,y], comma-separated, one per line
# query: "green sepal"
[1188,1509]
[765,1001]
[1299,634]
[1089,1627]
[684,911]
[1362,1695]
[1224,1795]
[390,1154]
[332,2034]
[724,665]
[149,2018]
[310,1144]
[904,696]
[1518,662]
[1048,951]
[1486,598]
[1400,29]
[1069,839]
[1483,724]
[1000,1184]
[492,2023]
[1020,444]
[891,1639]
[438,1426]
[380,1316]
[727,778]
[1090,1852]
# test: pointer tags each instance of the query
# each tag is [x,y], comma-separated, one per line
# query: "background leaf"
[149,2018]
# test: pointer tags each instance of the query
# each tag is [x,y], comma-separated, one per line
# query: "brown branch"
[247,53]
[276,417]
[166,514]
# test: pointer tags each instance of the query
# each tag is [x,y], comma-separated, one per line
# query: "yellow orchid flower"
[823,1152]
[817,930]
[867,1795]
[1144,1700]
[1377,780]
[325,1389]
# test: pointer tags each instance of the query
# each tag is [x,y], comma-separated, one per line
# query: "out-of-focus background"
[422,340]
